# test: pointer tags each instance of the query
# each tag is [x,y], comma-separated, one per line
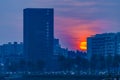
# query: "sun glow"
[83,46]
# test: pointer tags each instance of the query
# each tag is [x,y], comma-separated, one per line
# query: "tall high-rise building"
[39,36]
[105,44]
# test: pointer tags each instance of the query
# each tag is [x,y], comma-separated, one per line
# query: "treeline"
[97,63]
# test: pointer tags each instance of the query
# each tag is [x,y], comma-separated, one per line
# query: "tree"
[40,65]
[61,60]
[66,63]
[13,66]
[22,64]
[116,62]
[78,61]
[109,59]
[101,62]
[93,63]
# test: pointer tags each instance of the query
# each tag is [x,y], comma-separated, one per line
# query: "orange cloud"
[73,31]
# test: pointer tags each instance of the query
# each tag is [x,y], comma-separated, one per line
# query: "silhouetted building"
[58,50]
[57,47]
[118,43]
[10,53]
[104,44]
[11,49]
[38,37]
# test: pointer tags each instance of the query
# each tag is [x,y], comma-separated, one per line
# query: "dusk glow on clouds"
[75,20]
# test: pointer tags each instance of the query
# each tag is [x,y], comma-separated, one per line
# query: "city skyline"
[74,20]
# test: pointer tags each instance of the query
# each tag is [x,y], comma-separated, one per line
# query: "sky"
[75,20]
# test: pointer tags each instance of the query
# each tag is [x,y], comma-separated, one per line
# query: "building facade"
[10,53]
[105,44]
[38,36]
[11,49]
[57,47]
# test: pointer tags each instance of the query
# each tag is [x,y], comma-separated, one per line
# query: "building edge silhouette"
[38,38]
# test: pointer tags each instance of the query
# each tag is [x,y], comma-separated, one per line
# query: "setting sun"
[83,46]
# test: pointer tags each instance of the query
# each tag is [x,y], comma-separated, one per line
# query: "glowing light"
[83,46]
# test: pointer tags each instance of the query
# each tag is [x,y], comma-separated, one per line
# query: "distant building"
[64,52]
[10,53]
[118,43]
[11,49]
[57,47]
[104,44]
[58,50]
[38,37]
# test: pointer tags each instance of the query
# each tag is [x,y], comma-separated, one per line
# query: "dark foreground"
[59,77]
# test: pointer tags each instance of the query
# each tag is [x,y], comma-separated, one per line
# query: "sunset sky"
[74,19]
